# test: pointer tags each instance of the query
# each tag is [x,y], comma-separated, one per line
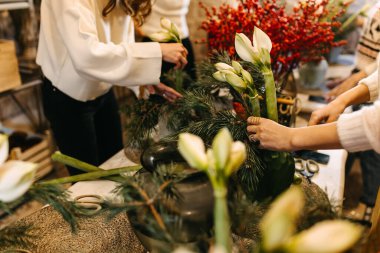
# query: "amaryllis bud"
[219,76]
[235,81]
[4,146]
[174,30]
[326,237]
[221,147]
[224,66]
[237,156]
[278,224]
[247,76]
[166,24]
[192,149]
[236,65]
[161,37]
[15,179]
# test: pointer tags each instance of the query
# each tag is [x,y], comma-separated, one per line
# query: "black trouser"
[89,131]
[189,68]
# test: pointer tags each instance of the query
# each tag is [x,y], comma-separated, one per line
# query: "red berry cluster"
[304,34]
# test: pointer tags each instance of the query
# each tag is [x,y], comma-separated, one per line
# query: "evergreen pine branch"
[57,197]
[16,236]
[142,118]
[195,105]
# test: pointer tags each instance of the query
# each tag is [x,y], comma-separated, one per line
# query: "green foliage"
[57,197]
[19,236]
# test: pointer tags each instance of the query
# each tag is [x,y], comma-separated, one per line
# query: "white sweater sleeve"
[372,82]
[360,130]
[124,63]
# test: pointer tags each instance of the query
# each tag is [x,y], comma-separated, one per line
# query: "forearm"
[315,137]
[358,94]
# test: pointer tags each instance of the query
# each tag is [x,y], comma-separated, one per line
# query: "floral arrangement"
[302,35]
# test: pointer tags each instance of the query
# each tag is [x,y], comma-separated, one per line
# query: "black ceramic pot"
[189,218]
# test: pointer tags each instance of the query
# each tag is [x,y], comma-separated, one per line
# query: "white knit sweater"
[360,130]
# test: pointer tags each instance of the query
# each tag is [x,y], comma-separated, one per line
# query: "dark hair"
[138,9]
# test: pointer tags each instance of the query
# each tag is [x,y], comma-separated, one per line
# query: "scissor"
[307,168]
[89,204]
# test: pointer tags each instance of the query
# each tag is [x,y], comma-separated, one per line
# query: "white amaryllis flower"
[238,154]
[221,147]
[235,81]
[193,150]
[220,76]
[220,66]
[4,146]
[326,237]
[247,76]
[253,52]
[166,23]
[225,154]
[237,67]
[161,36]
[278,224]
[15,179]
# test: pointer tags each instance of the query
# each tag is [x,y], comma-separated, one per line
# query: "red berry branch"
[302,35]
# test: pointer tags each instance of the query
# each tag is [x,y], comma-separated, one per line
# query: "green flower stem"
[271,97]
[80,165]
[178,80]
[255,102]
[222,220]
[73,162]
[91,175]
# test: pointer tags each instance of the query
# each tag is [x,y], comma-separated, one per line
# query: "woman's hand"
[168,93]
[269,134]
[345,85]
[327,114]
[175,53]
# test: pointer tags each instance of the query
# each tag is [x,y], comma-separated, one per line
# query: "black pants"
[89,131]
[189,68]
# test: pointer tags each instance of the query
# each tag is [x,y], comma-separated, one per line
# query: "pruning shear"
[306,168]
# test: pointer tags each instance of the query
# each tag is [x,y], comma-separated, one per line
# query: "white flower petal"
[4,148]
[166,23]
[192,149]
[278,224]
[327,237]
[261,40]
[237,66]
[219,76]
[243,47]
[174,30]
[247,76]
[221,146]
[161,37]
[238,154]
[224,66]
[235,81]
[15,179]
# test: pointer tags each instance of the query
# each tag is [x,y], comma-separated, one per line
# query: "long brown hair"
[138,9]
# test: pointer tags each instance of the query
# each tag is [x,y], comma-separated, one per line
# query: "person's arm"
[274,136]
[334,109]
[357,131]
[125,63]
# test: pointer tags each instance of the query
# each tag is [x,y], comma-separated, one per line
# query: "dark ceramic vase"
[189,218]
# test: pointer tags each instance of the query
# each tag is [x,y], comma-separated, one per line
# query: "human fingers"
[316,118]
[254,120]
[252,129]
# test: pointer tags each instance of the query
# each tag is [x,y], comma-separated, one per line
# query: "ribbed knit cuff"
[372,82]
[351,132]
